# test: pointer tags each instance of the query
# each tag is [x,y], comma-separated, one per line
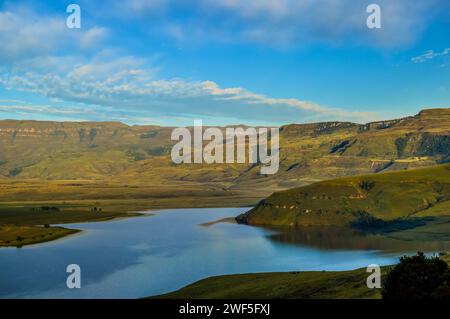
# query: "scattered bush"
[137,156]
[149,134]
[49,209]
[15,171]
[367,185]
[159,151]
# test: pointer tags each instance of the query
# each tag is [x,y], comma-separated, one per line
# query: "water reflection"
[347,238]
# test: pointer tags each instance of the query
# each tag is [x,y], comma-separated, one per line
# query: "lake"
[155,254]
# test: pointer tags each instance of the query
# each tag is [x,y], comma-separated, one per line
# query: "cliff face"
[71,150]
[103,150]
[41,129]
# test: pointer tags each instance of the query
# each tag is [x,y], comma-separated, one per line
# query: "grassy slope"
[299,285]
[289,285]
[387,196]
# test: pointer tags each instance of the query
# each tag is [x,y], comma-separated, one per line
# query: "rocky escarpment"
[308,152]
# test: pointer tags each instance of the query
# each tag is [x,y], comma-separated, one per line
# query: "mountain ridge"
[113,152]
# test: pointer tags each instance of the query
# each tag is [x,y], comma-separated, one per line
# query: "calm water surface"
[151,255]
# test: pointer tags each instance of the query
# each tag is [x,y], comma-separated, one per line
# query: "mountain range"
[85,155]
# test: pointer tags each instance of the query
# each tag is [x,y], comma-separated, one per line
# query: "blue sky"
[257,62]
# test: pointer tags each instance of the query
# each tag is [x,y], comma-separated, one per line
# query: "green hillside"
[366,200]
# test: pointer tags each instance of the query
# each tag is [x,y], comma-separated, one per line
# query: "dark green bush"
[418,277]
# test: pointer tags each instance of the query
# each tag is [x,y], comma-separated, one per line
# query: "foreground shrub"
[418,277]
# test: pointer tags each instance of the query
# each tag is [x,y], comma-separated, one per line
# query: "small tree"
[418,277]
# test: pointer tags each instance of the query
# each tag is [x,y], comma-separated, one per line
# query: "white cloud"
[49,112]
[92,36]
[35,59]
[25,34]
[430,55]
[287,22]
[45,109]
[139,6]
[125,85]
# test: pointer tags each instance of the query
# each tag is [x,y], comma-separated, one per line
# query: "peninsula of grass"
[32,224]
[19,236]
